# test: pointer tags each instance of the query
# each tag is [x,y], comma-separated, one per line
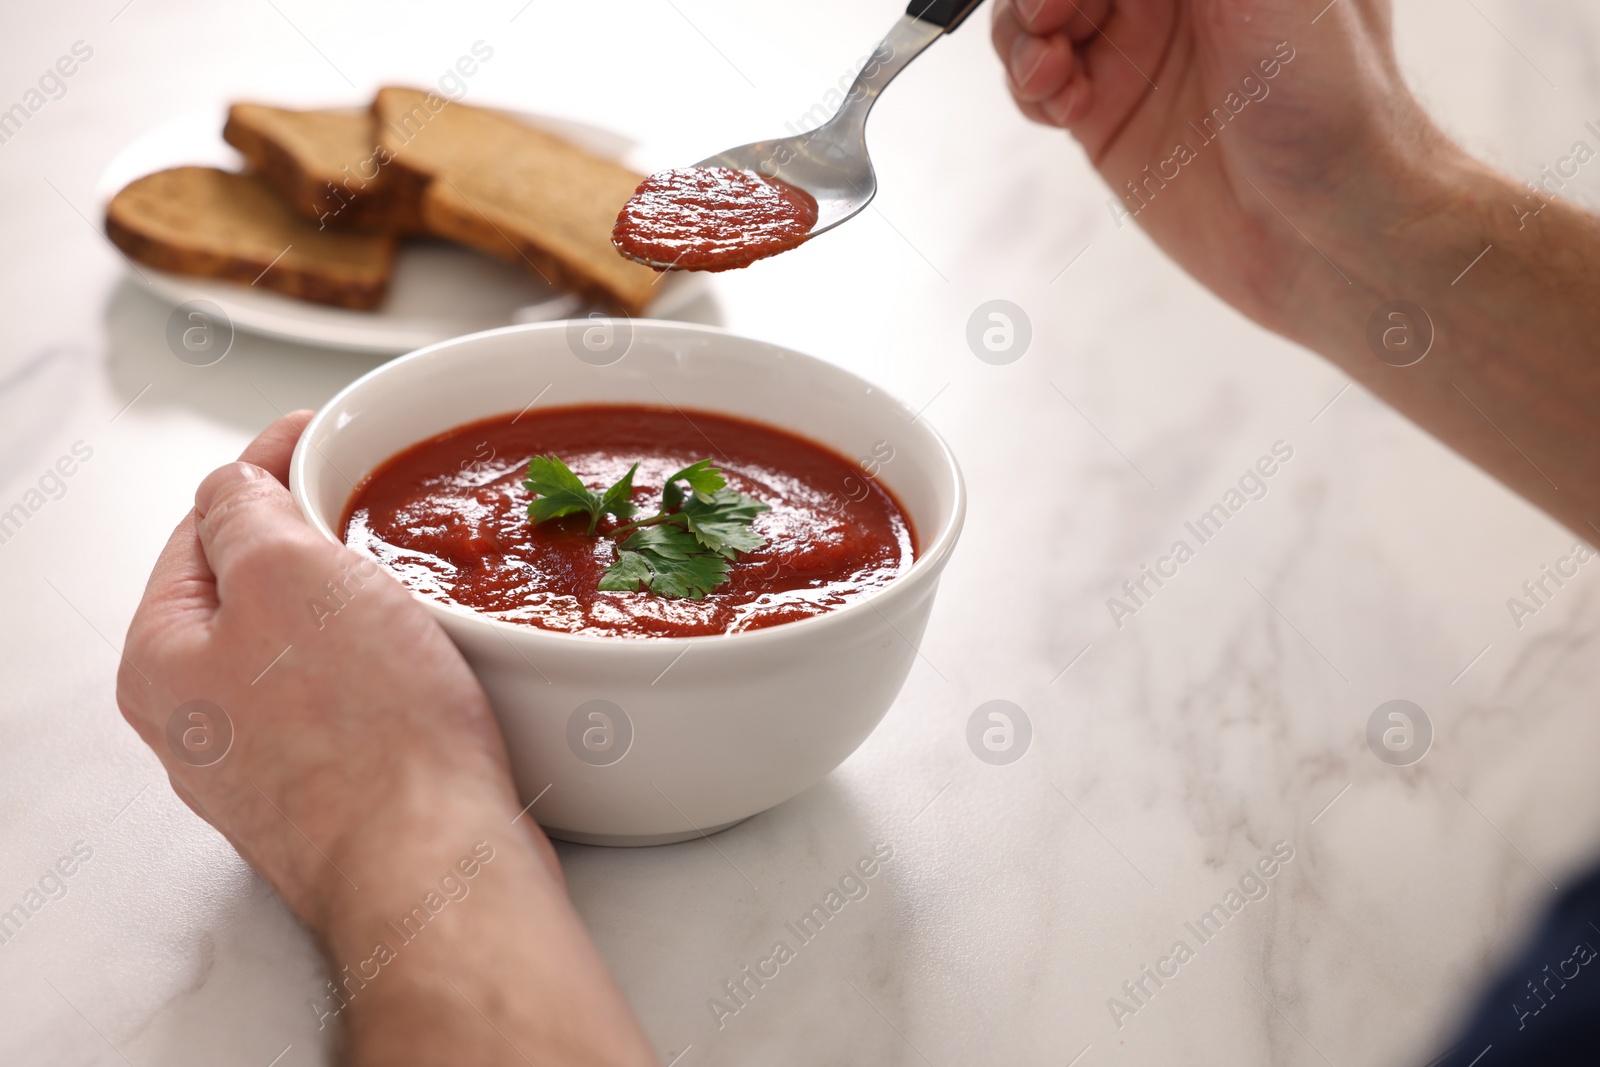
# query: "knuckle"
[129,692]
[133,697]
[271,558]
[236,500]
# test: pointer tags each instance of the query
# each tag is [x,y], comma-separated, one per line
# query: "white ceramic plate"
[439,290]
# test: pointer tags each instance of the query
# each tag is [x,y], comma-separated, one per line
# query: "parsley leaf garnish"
[684,550]
[668,561]
[703,479]
[723,521]
[557,492]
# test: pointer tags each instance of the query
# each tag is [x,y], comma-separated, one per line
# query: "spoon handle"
[946,13]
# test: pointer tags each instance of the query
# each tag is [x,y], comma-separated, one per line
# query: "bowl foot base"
[635,840]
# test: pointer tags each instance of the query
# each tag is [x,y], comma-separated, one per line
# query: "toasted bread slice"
[417,141]
[207,222]
[327,165]
[515,192]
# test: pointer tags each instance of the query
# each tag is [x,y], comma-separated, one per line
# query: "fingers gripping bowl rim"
[717,728]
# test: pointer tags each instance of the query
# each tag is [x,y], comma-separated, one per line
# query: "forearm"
[462,947]
[1510,283]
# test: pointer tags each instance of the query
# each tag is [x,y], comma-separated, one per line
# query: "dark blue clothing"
[1544,1010]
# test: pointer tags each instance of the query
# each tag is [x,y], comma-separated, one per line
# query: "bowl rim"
[925,568]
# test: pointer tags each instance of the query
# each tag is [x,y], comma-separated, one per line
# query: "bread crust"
[514,192]
[361,287]
[337,198]
[391,139]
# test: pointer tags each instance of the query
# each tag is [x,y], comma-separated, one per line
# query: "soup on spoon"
[712,219]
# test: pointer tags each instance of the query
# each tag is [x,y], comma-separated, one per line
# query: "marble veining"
[1227,715]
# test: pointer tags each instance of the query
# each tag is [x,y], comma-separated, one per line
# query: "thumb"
[242,511]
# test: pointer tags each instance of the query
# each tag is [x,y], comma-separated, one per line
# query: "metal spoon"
[831,161]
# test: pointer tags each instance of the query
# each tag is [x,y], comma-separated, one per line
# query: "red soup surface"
[449,518]
[712,218]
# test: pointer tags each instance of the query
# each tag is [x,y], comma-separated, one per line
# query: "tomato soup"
[449,518]
[712,219]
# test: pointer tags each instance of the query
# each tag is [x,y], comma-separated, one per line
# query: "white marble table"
[1167,755]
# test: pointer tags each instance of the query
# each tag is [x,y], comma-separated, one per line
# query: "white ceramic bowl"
[646,741]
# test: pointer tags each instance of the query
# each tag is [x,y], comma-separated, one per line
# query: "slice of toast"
[207,222]
[514,192]
[327,165]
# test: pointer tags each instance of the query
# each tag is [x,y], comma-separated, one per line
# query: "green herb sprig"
[684,550]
